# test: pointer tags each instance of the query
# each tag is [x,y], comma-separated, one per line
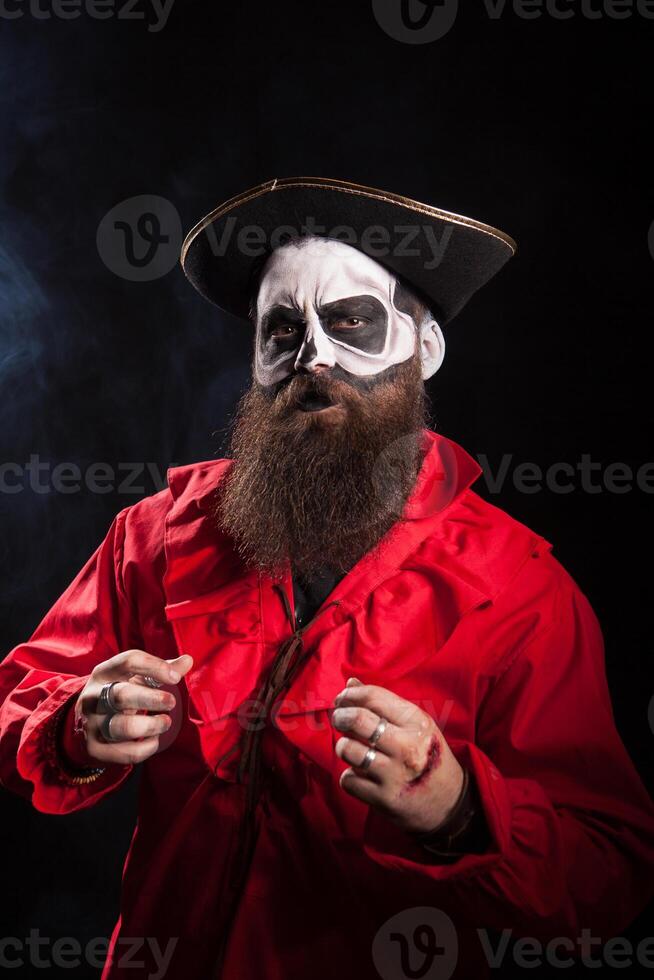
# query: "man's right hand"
[137,733]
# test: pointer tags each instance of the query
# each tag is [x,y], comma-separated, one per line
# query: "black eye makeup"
[282,327]
[359,321]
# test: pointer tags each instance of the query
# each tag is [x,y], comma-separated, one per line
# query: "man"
[371,707]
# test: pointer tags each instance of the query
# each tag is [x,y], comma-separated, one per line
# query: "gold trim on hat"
[345,187]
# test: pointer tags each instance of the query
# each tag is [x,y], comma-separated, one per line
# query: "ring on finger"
[378,732]
[106,703]
[151,681]
[105,728]
[368,760]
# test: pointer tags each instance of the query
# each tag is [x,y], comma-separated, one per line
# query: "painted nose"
[316,353]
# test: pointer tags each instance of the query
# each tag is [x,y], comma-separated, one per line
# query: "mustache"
[322,385]
[336,384]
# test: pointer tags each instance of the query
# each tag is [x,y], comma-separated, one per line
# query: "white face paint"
[324,302]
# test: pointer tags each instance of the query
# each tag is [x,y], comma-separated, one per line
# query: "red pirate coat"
[462,610]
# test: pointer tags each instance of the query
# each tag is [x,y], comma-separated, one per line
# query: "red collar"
[447,470]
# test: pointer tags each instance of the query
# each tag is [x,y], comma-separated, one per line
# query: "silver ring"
[150,681]
[106,703]
[378,732]
[368,759]
[105,728]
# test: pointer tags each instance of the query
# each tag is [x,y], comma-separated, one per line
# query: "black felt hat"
[444,257]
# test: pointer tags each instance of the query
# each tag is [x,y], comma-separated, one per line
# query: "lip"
[315,404]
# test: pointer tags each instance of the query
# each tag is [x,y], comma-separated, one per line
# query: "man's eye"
[348,323]
[283,330]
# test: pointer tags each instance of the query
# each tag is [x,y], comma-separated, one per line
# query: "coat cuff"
[71,747]
[391,847]
[55,790]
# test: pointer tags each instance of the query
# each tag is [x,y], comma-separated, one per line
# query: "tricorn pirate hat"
[445,257]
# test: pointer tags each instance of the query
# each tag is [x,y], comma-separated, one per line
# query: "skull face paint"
[324,302]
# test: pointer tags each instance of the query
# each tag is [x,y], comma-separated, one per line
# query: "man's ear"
[432,346]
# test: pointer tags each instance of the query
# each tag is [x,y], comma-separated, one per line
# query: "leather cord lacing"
[289,658]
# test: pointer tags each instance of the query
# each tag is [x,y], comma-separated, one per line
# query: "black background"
[540,127]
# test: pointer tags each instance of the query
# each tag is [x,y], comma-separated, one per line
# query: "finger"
[361,788]
[130,695]
[354,753]
[130,662]
[123,753]
[402,713]
[126,728]
[362,723]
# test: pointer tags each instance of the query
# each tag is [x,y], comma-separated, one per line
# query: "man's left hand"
[413,779]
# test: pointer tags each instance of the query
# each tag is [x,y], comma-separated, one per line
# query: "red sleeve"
[92,621]
[571,824]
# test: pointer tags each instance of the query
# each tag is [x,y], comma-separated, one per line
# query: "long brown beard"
[315,493]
